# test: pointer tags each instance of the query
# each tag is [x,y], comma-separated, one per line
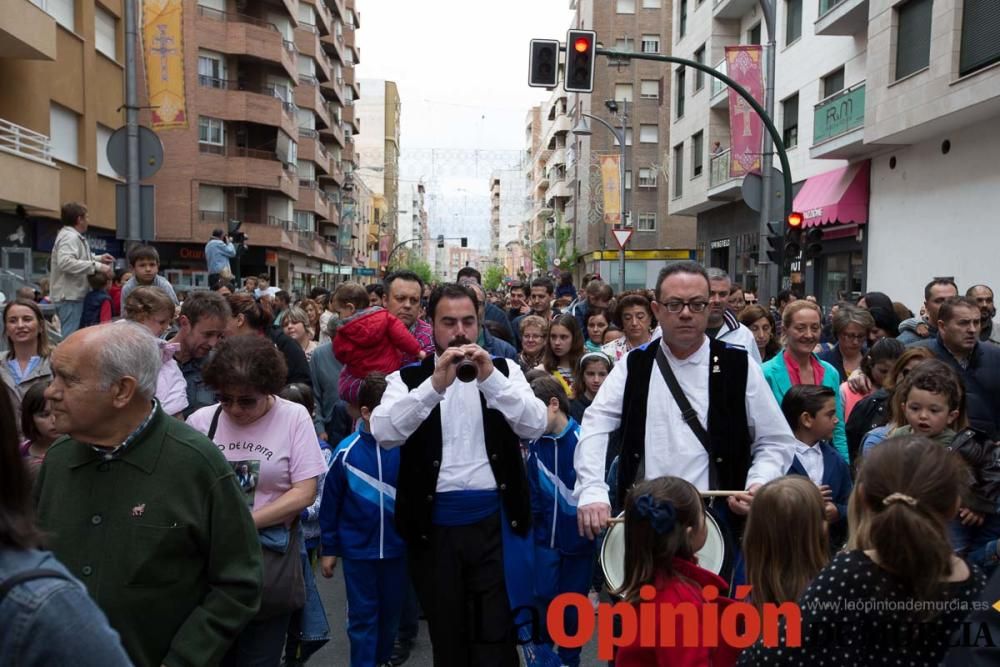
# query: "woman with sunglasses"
[272,446]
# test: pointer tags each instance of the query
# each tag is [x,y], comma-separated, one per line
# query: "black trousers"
[459,581]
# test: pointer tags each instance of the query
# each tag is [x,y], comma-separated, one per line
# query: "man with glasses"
[731,434]
[722,324]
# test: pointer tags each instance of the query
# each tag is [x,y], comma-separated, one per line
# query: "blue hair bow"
[661,515]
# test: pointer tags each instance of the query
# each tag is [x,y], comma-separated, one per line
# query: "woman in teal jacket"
[796,363]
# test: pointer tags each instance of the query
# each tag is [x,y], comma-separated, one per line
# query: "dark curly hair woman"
[272,446]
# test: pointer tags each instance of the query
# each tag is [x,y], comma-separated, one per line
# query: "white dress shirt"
[811,459]
[464,464]
[671,446]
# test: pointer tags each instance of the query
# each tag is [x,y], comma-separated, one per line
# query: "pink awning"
[838,196]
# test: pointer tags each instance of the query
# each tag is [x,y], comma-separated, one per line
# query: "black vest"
[420,461]
[727,416]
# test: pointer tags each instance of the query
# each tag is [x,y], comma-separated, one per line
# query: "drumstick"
[707,494]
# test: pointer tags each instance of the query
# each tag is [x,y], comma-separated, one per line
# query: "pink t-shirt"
[270,455]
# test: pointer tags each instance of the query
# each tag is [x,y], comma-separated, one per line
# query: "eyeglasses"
[532,337]
[855,337]
[698,306]
[244,402]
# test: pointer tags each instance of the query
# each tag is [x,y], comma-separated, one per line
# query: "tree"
[420,267]
[540,257]
[493,277]
[565,247]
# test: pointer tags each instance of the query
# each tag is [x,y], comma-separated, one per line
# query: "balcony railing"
[213,216]
[217,15]
[827,5]
[237,151]
[273,221]
[308,79]
[308,132]
[718,86]
[308,184]
[24,142]
[289,46]
[308,27]
[719,169]
[839,114]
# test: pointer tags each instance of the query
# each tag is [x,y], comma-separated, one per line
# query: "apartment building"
[814,74]
[638,92]
[61,63]
[380,112]
[931,111]
[268,142]
[535,186]
[507,210]
[885,109]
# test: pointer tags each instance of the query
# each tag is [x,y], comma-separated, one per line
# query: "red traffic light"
[795,219]
[581,44]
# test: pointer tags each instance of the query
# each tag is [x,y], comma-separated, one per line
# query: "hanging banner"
[163,59]
[744,64]
[611,175]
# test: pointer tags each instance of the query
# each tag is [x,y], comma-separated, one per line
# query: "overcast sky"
[462,70]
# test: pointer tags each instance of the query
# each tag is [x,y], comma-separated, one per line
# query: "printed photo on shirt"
[247,476]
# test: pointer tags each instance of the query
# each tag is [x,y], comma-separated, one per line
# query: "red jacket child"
[373,340]
[673,591]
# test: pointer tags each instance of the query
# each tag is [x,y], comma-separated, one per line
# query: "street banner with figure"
[611,185]
[163,59]
[744,65]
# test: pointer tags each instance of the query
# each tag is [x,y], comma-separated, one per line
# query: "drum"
[711,557]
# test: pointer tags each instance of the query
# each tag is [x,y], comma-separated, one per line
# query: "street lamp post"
[582,129]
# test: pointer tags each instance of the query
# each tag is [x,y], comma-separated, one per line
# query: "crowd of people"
[177,468]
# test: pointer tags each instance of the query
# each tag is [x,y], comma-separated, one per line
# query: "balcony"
[839,125]
[350,78]
[558,157]
[236,166]
[559,189]
[26,31]
[732,9]
[349,40]
[307,96]
[312,199]
[336,174]
[30,177]
[333,89]
[350,150]
[350,116]
[311,149]
[842,17]
[334,45]
[324,23]
[240,34]
[307,43]
[235,100]
[719,98]
[334,131]
[721,185]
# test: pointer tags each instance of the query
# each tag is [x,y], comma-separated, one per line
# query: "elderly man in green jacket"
[142,508]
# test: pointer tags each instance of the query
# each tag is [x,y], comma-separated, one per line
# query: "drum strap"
[687,413]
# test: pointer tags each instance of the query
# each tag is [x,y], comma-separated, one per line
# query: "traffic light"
[440,240]
[775,241]
[543,63]
[793,236]
[465,242]
[580,56]
[814,243]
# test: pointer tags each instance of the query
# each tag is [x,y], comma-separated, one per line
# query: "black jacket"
[982,455]
[981,379]
[295,357]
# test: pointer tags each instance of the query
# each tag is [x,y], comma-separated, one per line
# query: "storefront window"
[842,277]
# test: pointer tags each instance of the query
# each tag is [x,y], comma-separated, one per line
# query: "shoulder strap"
[8,584]
[215,422]
[687,412]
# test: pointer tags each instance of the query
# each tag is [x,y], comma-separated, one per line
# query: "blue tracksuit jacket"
[551,478]
[357,514]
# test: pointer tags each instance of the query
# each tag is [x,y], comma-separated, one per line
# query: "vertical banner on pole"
[163,51]
[611,176]
[744,64]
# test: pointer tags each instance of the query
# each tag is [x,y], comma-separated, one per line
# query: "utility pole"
[134,224]
[621,248]
[769,282]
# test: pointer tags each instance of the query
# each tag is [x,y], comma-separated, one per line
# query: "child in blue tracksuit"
[356,519]
[811,412]
[563,559]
